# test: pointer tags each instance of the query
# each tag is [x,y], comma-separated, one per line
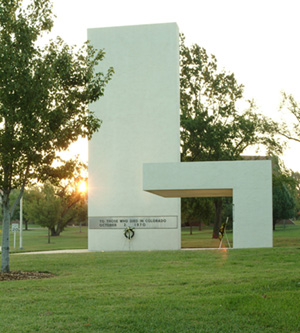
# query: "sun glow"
[82,186]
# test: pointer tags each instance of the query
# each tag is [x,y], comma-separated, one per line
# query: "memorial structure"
[135,175]
[248,182]
[140,113]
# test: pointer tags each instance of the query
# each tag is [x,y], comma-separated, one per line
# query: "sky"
[256,40]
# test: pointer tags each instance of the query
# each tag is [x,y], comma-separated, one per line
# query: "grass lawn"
[255,290]
[282,236]
[287,236]
[36,239]
[249,290]
[201,238]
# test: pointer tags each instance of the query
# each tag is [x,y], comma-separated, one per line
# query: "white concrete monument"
[140,113]
[248,182]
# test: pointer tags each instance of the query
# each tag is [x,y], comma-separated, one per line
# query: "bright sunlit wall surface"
[140,113]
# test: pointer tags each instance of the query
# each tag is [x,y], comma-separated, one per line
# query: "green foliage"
[283,201]
[197,210]
[46,209]
[81,214]
[287,188]
[296,177]
[16,214]
[57,206]
[285,193]
[227,211]
[44,93]
[44,97]
[213,128]
[289,129]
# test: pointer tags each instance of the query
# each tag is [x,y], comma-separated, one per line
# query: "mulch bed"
[22,275]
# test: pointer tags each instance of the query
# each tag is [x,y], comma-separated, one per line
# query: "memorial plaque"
[146,222]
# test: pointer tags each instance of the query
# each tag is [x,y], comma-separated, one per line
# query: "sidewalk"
[87,251]
[55,252]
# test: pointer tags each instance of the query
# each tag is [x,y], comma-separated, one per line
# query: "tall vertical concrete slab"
[140,113]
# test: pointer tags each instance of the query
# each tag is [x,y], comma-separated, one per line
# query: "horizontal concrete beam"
[193,193]
[248,182]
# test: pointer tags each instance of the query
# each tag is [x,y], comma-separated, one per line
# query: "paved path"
[87,251]
[203,248]
[56,251]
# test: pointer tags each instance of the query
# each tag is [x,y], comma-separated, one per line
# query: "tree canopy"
[285,185]
[44,94]
[64,196]
[290,130]
[55,207]
[214,127]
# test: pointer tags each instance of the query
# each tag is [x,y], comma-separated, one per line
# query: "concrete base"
[143,240]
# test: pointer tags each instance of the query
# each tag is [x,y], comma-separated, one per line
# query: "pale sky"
[257,40]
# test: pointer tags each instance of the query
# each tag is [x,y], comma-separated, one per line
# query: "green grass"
[282,237]
[255,290]
[36,239]
[287,236]
[201,238]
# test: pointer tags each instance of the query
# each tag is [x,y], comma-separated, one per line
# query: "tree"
[286,189]
[46,209]
[81,217]
[72,205]
[290,104]
[197,210]
[55,207]
[16,214]
[44,93]
[284,185]
[64,195]
[212,126]
[284,203]
[296,177]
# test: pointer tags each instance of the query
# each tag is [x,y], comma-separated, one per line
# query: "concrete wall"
[140,113]
[250,182]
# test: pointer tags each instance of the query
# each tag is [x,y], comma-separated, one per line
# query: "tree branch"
[289,137]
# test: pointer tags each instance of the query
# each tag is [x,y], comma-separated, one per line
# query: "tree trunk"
[274,223]
[55,231]
[26,224]
[191,228]
[200,226]
[48,235]
[218,216]
[5,234]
